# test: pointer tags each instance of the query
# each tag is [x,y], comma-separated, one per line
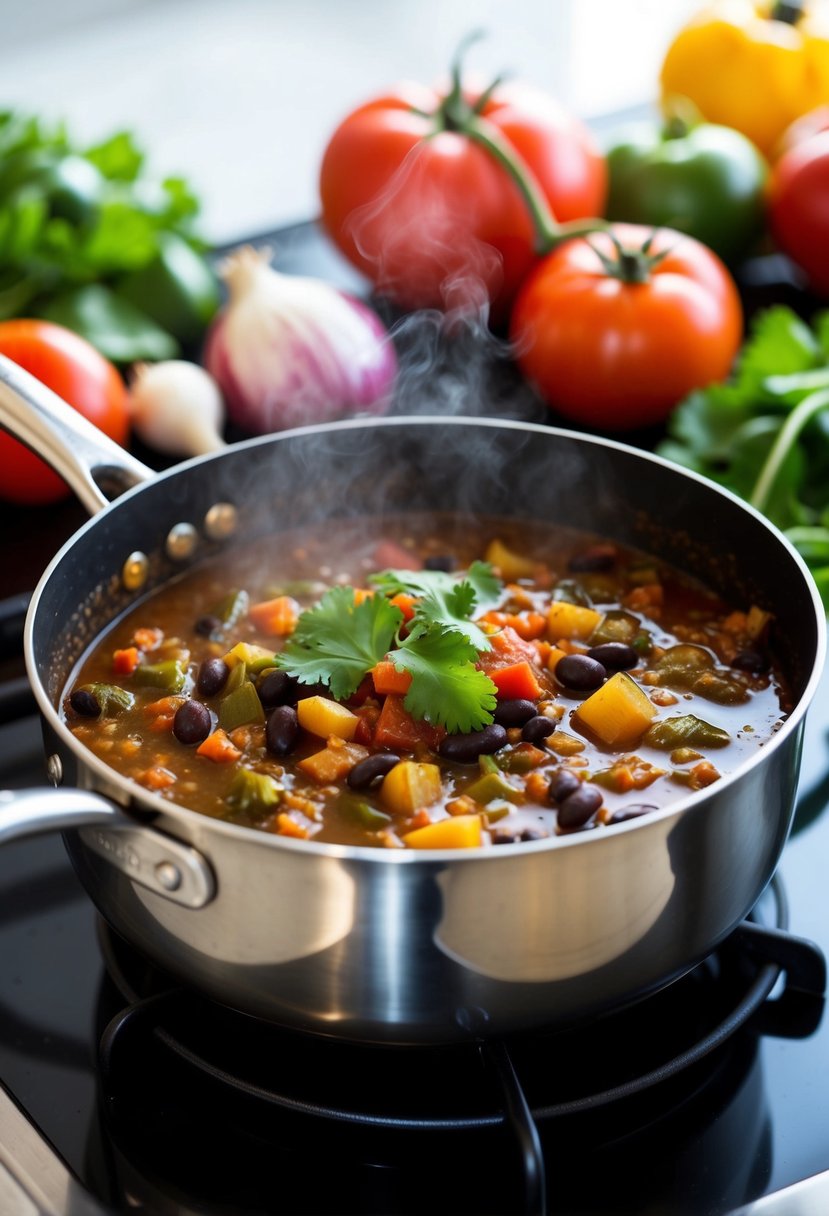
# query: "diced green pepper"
[522,758]
[681,665]
[498,809]
[488,764]
[260,665]
[616,626]
[572,592]
[234,605]
[237,677]
[240,707]
[169,675]
[492,786]
[363,813]
[111,698]
[253,792]
[685,731]
[719,689]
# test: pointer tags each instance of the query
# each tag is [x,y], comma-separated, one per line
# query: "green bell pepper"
[704,180]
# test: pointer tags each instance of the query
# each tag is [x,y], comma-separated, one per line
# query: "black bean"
[600,557]
[444,561]
[750,660]
[212,677]
[277,688]
[206,626]
[537,729]
[85,703]
[631,812]
[514,835]
[614,656]
[465,749]
[563,784]
[192,722]
[579,806]
[515,713]
[580,672]
[282,730]
[371,769]
[533,834]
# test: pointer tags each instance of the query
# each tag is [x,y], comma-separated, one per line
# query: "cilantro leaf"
[447,688]
[444,600]
[338,641]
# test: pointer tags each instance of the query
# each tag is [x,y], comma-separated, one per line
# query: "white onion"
[177,408]
[287,350]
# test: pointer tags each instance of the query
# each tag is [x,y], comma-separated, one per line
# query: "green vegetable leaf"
[780,343]
[443,599]
[118,157]
[119,330]
[447,688]
[338,641]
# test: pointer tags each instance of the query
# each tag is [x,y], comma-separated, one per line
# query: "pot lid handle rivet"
[135,570]
[181,542]
[221,521]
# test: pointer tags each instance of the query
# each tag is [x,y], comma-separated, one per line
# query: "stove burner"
[654,1057]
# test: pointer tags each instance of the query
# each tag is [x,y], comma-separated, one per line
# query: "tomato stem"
[628,264]
[457,114]
[789,11]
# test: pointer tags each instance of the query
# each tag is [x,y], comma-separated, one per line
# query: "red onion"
[287,350]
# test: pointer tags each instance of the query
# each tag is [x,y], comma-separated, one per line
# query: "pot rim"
[366,853]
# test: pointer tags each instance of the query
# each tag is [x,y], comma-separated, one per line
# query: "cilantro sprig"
[765,432]
[338,641]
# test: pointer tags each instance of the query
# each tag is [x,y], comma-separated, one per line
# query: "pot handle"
[151,858]
[75,449]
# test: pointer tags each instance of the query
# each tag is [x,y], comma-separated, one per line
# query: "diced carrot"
[527,625]
[162,722]
[388,679]
[277,617]
[286,825]
[537,786]
[335,760]
[156,778]
[420,819]
[406,604]
[129,747]
[396,729]
[218,748]
[388,555]
[166,705]
[148,639]
[645,598]
[516,682]
[124,662]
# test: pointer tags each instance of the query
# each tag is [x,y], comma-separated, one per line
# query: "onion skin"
[289,351]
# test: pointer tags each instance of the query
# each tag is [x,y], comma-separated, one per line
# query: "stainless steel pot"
[394,945]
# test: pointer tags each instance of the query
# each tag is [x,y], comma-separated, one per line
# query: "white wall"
[240,95]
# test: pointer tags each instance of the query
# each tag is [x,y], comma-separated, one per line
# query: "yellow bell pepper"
[754,65]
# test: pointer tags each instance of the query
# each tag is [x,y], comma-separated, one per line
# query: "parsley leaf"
[338,641]
[765,433]
[447,688]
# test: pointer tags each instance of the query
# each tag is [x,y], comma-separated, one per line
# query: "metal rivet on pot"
[168,875]
[181,542]
[135,570]
[221,521]
[54,770]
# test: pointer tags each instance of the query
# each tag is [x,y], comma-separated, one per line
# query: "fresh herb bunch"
[765,432]
[89,241]
[339,640]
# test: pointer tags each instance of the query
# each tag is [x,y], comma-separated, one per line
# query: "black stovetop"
[142,1130]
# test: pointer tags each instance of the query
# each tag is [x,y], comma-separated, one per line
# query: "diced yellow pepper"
[323,717]
[410,786]
[619,712]
[511,566]
[246,652]
[572,621]
[459,832]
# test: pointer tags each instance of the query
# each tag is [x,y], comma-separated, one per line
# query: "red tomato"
[618,355]
[799,208]
[805,127]
[429,215]
[72,368]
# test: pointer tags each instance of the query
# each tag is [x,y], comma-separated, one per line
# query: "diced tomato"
[148,638]
[363,690]
[507,649]
[368,715]
[399,731]
[406,604]
[388,555]
[516,682]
